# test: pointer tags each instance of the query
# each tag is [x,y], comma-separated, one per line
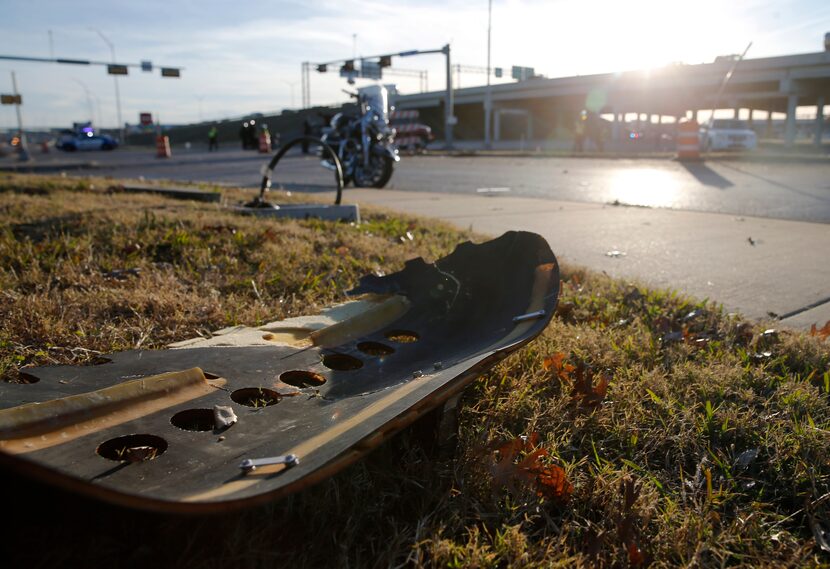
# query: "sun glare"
[604,36]
[645,187]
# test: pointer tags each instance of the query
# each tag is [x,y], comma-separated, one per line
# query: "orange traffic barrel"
[264,143]
[162,147]
[688,140]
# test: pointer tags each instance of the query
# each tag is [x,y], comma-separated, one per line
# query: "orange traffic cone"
[688,140]
[162,147]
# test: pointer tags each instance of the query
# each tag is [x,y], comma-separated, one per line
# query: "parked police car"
[71,141]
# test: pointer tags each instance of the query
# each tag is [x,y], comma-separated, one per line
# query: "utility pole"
[24,145]
[488,97]
[117,91]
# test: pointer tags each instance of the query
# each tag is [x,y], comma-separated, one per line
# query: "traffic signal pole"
[113,69]
[449,103]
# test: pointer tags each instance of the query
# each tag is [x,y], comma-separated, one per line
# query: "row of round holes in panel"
[143,447]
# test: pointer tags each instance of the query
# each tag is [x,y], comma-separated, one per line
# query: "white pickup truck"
[727,134]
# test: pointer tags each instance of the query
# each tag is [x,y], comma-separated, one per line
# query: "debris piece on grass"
[122,274]
[743,460]
[821,533]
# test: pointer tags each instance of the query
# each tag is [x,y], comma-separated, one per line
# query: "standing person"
[253,140]
[243,135]
[306,132]
[213,139]
[579,132]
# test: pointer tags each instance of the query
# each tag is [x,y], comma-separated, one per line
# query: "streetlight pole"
[291,84]
[88,99]
[117,91]
[488,98]
[449,115]
[24,150]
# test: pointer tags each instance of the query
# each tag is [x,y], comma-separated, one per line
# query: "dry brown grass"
[86,271]
[708,449]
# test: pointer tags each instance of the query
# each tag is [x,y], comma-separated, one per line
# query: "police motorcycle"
[364,143]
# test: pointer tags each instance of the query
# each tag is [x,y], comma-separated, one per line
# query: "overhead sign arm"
[112,68]
[385,60]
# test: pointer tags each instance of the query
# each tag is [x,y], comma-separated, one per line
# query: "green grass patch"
[689,436]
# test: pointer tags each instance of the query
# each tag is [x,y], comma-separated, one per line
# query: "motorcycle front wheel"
[377,175]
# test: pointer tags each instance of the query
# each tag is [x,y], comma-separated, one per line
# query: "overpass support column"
[615,127]
[696,115]
[819,121]
[736,113]
[497,125]
[789,131]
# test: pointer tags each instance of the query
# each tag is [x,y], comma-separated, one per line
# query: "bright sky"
[244,56]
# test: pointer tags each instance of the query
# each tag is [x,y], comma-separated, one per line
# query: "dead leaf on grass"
[584,392]
[564,310]
[220,228]
[557,363]
[822,332]
[548,480]
[628,525]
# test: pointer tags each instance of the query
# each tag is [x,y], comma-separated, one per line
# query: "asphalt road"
[794,191]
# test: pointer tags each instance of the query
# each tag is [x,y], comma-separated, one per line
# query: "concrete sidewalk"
[762,268]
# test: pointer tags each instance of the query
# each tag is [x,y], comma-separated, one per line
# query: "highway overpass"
[547,106]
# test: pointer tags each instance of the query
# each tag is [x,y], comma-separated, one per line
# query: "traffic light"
[170,72]
[117,69]
[385,61]
[322,68]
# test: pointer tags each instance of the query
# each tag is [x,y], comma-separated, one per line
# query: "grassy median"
[641,429]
